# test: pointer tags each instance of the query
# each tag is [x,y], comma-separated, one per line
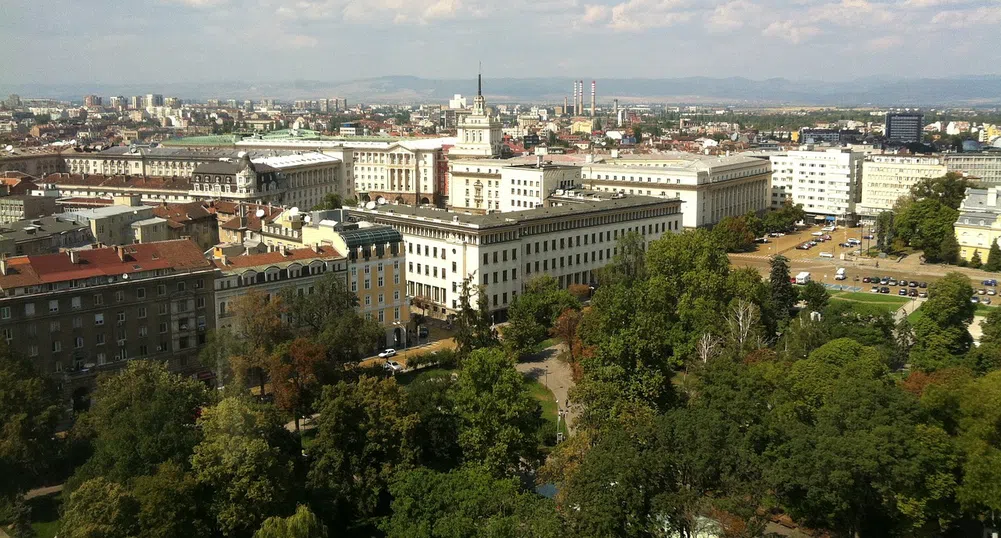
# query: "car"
[992,292]
[981,291]
[777,234]
[387,353]
[884,281]
[902,283]
[923,294]
[884,289]
[986,300]
[974,299]
[868,237]
[902,292]
[804,246]
[423,332]
[874,289]
[892,282]
[866,279]
[913,283]
[912,292]
[817,234]
[761,239]
[923,285]
[826,254]
[874,279]
[393,366]
[990,282]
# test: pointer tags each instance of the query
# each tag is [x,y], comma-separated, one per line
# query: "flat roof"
[46,227]
[108,211]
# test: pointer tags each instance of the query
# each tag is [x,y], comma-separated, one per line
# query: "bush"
[963,263]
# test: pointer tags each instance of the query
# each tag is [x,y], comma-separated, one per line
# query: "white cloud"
[790,31]
[637,15]
[884,43]
[200,3]
[595,14]
[733,16]
[960,19]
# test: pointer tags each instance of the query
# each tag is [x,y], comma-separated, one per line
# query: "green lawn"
[407,378]
[982,310]
[869,297]
[548,403]
[45,515]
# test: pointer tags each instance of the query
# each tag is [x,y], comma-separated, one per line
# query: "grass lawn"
[45,515]
[869,297]
[982,310]
[407,378]
[548,403]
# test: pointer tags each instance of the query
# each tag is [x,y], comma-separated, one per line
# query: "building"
[192,220]
[482,186]
[43,236]
[479,134]
[34,162]
[271,273]
[15,183]
[709,187]
[90,101]
[983,168]
[83,312]
[903,128]
[885,178]
[149,189]
[153,100]
[501,251]
[979,223]
[307,178]
[810,135]
[827,183]
[237,179]
[115,224]
[143,161]
[21,207]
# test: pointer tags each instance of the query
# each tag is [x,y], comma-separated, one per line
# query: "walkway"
[546,368]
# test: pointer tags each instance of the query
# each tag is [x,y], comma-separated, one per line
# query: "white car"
[387,353]
[393,366]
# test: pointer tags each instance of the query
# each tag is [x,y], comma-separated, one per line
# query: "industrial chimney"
[575,97]
[565,103]
[592,97]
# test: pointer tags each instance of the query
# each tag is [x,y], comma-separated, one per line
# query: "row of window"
[76,303]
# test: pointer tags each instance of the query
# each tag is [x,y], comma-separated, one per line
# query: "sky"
[109,41]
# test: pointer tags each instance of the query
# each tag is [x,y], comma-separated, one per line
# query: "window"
[199,284]
[33,350]
[354,286]
[181,286]
[381,298]
[57,346]
[200,302]
[396,295]
[5,311]
[119,296]
[54,327]
[162,309]
[98,319]
[140,293]
[121,318]
[98,300]
[368,300]
[163,328]
[142,312]
[368,283]
[100,339]
[54,305]
[77,322]
[75,304]
[78,342]
[396,313]
[396,278]
[161,289]
[143,331]
[8,334]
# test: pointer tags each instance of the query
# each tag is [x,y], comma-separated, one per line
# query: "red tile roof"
[268,258]
[133,182]
[182,212]
[253,222]
[179,255]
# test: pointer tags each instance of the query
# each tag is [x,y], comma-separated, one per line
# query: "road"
[546,368]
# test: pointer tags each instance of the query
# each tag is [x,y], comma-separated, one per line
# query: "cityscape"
[504,302]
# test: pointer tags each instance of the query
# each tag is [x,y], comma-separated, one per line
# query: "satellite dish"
[9,148]
[260,213]
[125,276]
[242,154]
[73,142]
[370,205]
[293,212]
[306,219]
[381,200]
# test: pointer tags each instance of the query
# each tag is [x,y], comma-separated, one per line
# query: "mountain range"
[983,90]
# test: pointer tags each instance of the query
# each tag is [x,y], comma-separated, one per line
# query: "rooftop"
[37,228]
[370,235]
[179,255]
[104,212]
[297,159]
[278,256]
[126,182]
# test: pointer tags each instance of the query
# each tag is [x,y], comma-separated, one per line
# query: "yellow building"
[979,223]
[582,126]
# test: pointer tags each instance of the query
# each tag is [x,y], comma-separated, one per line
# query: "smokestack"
[580,107]
[592,97]
[566,102]
[574,97]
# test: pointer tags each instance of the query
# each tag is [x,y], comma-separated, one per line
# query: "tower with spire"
[479,132]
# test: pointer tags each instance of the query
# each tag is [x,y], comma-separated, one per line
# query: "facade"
[709,187]
[979,223]
[984,167]
[190,220]
[827,183]
[236,179]
[482,186]
[501,251]
[33,162]
[885,178]
[479,133]
[143,161]
[114,225]
[903,128]
[43,236]
[80,313]
[149,189]
[307,177]
[15,208]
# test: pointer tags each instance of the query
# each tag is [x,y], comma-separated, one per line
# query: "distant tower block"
[592,97]
[615,111]
[566,102]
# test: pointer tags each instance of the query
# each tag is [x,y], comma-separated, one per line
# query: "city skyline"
[213,40]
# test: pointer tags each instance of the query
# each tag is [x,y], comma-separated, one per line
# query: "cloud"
[790,31]
[733,15]
[594,14]
[200,3]
[962,19]
[639,15]
[884,43]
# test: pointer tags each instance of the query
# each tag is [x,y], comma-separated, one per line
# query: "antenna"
[479,79]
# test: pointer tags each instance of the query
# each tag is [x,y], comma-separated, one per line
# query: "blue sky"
[104,41]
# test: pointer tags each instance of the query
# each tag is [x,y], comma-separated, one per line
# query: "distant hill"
[877,91]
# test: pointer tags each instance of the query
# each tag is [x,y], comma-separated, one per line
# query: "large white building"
[885,178]
[984,167]
[501,251]
[489,185]
[827,183]
[479,133]
[709,187]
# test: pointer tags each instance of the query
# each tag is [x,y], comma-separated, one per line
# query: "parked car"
[912,292]
[902,292]
[974,299]
[992,292]
[868,237]
[923,294]
[990,282]
[902,283]
[804,246]
[777,234]
[826,254]
[393,366]
[913,283]
[884,281]
[981,291]
[423,332]
[874,289]
[866,279]
[387,353]
[923,285]
[884,289]
[892,282]
[986,300]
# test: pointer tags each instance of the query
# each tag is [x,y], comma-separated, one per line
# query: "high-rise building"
[13,101]
[903,127]
[117,101]
[984,167]
[480,132]
[153,99]
[91,100]
[136,102]
[888,177]
[827,183]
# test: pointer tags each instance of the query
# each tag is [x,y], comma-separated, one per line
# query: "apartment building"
[886,178]
[500,251]
[709,187]
[80,313]
[21,207]
[979,223]
[306,177]
[983,167]
[903,127]
[34,162]
[827,183]
[43,236]
[487,185]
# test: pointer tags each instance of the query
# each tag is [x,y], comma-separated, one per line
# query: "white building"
[709,187]
[827,183]
[306,177]
[984,167]
[479,133]
[501,251]
[481,186]
[885,178]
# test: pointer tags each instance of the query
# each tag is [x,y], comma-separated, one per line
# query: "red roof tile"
[252,260]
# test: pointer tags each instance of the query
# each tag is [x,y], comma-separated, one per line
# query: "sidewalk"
[547,369]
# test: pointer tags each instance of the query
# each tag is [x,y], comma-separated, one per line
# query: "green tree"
[437,431]
[247,459]
[365,432]
[941,335]
[734,234]
[534,312]
[925,225]
[783,293]
[29,413]
[993,258]
[815,295]
[638,134]
[100,508]
[302,524]
[975,261]
[949,189]
[330,201]
[141,417]
[295,373]
[629,262]
[473,325]
[467,502]
[885,232]
[171,503]
[498,417]
[948,250]
[979,434]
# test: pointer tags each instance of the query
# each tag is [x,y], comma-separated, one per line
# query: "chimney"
[574,96]
[224,260]
[566,104]
[538,161]
[580,99]
[120,250]
[992,197]
[3,264]
[74,257]
[592,97]
[316,247]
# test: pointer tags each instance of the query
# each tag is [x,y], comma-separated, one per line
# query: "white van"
[840,275]
[803,278]
[826,254]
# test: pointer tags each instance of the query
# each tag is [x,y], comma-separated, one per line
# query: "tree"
[365,433]
[975,260]
[565,329]
[100,508]
[498,417]
[534,312]
[941,335]
[259,324]
[885,232]
[629,263]
[815,295]
[294,373]
[248,460]
[638,134]
[980,417]
[783,293]
[141,418]
[302,524]
[467,502]
[473,326]
[925,225]
[330,201]
[948,250]
[949,189]
[993,258]
[29,413]
[734,234]
[436,435]
[171,503]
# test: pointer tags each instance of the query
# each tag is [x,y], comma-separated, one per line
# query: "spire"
[479,79]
